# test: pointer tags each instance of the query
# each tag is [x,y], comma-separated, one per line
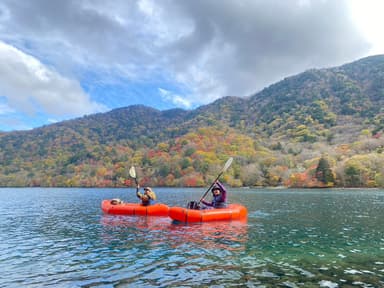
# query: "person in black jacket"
[219,194]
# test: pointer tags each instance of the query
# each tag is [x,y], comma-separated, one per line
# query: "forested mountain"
[319,122]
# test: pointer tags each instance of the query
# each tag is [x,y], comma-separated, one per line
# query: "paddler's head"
[216,190]
[148,191]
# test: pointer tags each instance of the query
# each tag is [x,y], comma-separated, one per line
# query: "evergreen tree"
[324,173]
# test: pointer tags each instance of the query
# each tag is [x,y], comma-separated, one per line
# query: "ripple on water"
[291,239]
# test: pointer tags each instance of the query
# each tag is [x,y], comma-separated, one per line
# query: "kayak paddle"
[226,166]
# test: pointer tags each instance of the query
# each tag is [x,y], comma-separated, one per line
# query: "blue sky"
[65,59]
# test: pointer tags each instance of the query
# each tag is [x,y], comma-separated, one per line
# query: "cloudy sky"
[65,59]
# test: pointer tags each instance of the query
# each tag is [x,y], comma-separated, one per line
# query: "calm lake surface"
[293,238]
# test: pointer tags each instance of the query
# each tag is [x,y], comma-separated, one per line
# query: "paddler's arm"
[138,194]
[206,203]
[223,191]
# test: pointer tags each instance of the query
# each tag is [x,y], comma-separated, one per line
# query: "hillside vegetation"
[320,128]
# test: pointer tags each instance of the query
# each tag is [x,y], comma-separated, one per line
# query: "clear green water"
[304,238]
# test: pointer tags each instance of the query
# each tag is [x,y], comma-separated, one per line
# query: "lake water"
[304,238]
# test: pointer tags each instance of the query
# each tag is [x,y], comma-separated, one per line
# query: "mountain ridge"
[325,107]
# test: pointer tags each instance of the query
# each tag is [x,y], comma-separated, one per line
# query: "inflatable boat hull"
[133,209]
[231,212]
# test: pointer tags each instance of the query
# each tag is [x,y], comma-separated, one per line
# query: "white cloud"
[174,98]
[240,47]
[5,109]
[368,15]
[51,120]
[30,86]
[210,48]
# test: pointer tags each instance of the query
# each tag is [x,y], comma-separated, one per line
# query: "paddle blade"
[227,164]
[132,172]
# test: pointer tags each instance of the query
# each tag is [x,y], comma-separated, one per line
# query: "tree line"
[194,160]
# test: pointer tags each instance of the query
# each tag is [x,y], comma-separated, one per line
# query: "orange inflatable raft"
[117,207]
[231,212]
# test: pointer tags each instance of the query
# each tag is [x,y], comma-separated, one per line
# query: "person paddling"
[147,198]
[219,194]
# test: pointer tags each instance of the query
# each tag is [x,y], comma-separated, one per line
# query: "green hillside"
[332,118]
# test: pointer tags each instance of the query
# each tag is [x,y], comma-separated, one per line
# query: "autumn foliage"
[320,128]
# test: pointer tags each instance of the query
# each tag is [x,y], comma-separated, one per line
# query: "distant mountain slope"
[320,99]
[330,106]
[327,96]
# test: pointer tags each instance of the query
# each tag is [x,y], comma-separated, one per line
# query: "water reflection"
[215,235]
[158,252]
[121,222]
